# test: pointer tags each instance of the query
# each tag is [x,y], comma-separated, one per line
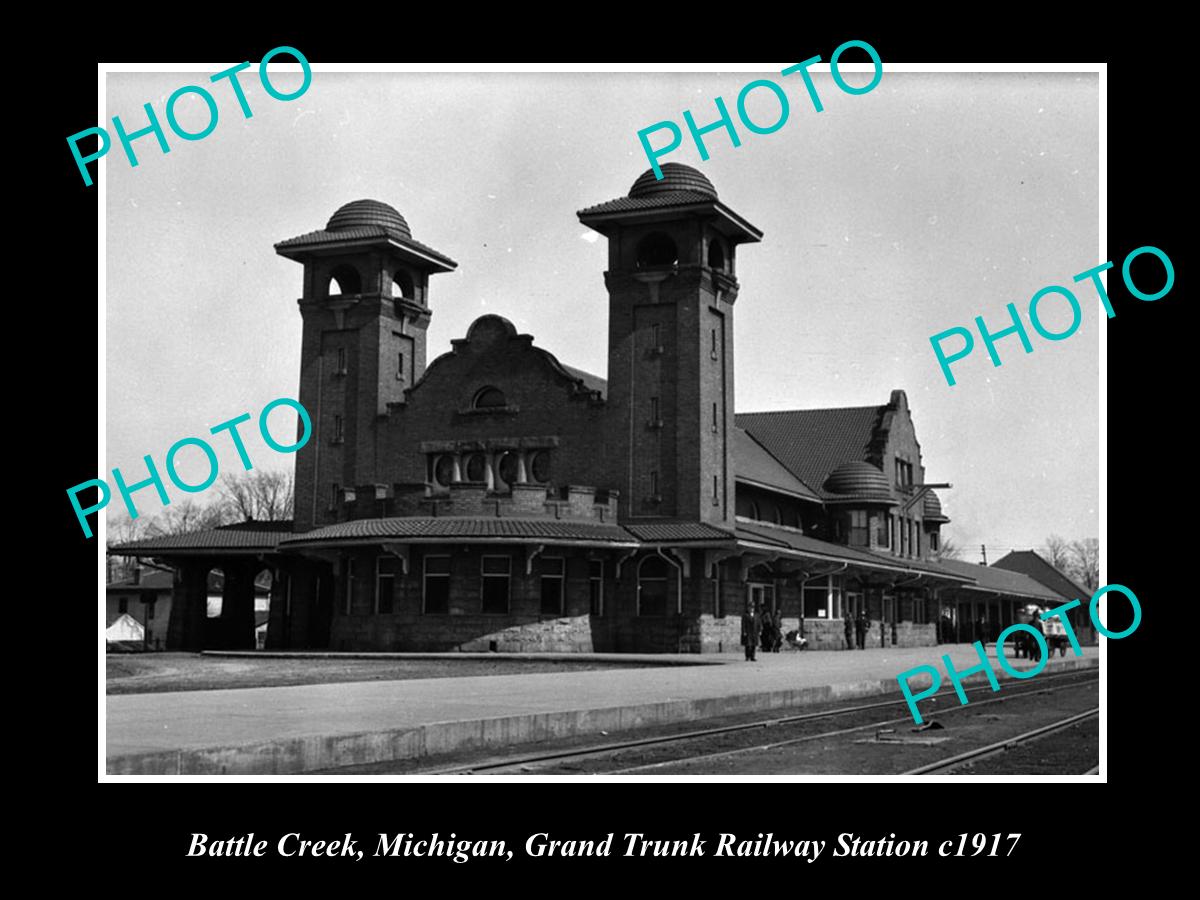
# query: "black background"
[1068,828]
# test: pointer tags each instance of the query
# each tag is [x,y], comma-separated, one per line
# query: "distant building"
[145,596]
[497,499]
[1030,563]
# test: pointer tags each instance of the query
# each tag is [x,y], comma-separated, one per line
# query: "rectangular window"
[341,360]
[713,353]
[881,530]
[335,495]
[553,571]
[436,585]
[596,586]
[714,419]
[917,532]
[349,584]
[934,541]
[399,366]
[816,599]
[654,484]
[149,610]
[122,605]
[911,532]
[654,416]
[497,571]
[338,430]
[385,584]
[716,491]
[655,336]
[858,528]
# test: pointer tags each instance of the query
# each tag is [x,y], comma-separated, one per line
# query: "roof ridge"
[785,466]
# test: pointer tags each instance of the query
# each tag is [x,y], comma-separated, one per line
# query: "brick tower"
[671,284]
[366,310]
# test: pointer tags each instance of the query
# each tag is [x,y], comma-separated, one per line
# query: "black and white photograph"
[577,423]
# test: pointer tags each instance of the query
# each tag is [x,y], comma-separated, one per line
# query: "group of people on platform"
[761,628]
[764,628]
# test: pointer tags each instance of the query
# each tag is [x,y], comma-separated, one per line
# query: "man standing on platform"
[751,631]
[861,624]
[848,628]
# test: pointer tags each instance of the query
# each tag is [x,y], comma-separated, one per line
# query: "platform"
[290,730]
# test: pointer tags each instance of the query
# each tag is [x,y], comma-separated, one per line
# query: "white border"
[103,70]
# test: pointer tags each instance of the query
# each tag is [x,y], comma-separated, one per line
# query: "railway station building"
[495,498]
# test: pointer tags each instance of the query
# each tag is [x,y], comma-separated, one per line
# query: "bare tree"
[948,550]
[179,517]
[1085,562]
[187,515]
[1057,552]
[259,496]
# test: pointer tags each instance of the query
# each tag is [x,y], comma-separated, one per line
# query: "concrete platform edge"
[298,755]
[628,659]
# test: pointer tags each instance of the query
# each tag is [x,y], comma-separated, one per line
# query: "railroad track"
[972,756]
[1067,679]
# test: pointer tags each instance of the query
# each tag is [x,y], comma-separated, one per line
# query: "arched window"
[402,285]
[489,398]
[754,510]
[656,249]
[540,469]
[653,577]
[716,255]
[443,470]
[509,468]
[476,467]
[347,279]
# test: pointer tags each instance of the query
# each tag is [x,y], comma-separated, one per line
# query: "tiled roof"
[359,233]
[677,531]
[590,381]
[245,537]
[858,481]
[1030,563]
[813,442]
[753,462]
[762,532]
[455,528]
[662,200]
[1001,581]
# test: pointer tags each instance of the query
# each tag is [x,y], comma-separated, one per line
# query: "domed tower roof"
[931,509]
[676,177]
[361,213]
[681,192]
[361,223]
[859,482]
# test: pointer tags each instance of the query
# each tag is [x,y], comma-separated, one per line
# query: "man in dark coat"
[861,624]
[848,628]
[751,631]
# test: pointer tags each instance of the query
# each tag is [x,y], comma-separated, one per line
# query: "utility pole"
[983,550]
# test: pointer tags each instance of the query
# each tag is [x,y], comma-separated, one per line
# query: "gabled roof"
[675,532]
[242,538]
[409,528]
[590,381]
[989,578]
[803,545]
[754,465]
[811,443]
[1033,565]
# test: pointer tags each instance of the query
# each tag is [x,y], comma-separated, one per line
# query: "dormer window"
[489,398]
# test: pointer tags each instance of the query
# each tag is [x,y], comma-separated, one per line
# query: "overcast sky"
[888,217]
